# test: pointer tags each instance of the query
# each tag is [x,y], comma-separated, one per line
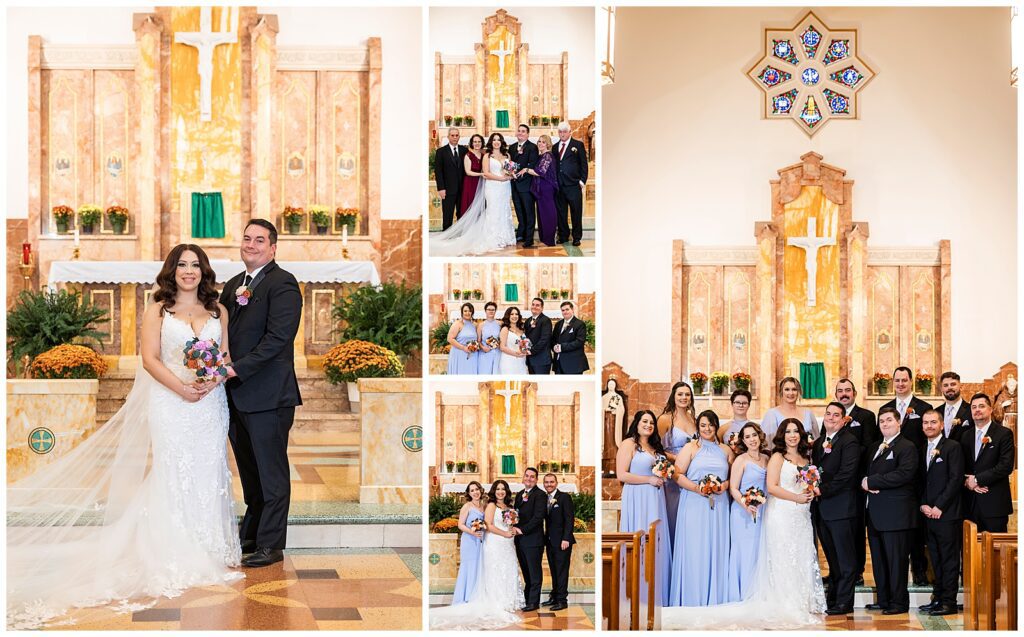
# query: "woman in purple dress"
[473,166]
[543,188]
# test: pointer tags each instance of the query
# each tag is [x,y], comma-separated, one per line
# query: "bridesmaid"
[488,357]
[749,470]
[789,394]
[471,543]
[543,189]
[461,334]
[472,165]
[700,557]
[643,495]
[676,426]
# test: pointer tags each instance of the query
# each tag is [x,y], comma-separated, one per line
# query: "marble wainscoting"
[45,420]
[438,364]
[391,424]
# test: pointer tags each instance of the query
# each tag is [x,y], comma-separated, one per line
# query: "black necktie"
[247,281]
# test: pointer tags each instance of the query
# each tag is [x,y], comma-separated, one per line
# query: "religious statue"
[614,406]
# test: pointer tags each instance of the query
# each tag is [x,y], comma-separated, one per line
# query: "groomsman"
[891,484]
[529,503]
[570,335]
[571,161]
[837,454]
[865,429]
[524,152]
[448,173]
[910,408]
[559,539]
[940,503]
[538,330]
[956,414]
[988,462]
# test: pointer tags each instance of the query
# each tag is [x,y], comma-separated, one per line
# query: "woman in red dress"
[473,163]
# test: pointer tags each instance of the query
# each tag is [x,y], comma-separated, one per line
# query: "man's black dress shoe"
[576,243]
[944,609]
[263,557]
[875,607]
[559,606]
[894,611]
[547,602]
[929,606]
[249,546]
[838,610]
[530,608]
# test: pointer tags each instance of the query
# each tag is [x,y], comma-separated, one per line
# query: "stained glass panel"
[838,103]
[772,76]
[849,76]
[811,115]
[783,50]
[810,38]
[783,102]
[837,50]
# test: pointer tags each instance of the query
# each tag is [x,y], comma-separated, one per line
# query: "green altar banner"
[207,215]
[511,293]
[508,464]
[812,380]
[501,118]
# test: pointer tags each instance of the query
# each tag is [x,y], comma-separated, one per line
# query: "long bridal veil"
[93,527]
[468,235]
[483,610]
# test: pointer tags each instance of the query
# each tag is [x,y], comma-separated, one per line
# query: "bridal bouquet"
[664,468]
[205,357]
[492,341]
[808,476]
[755,497]
[478,525]
[510,168]
[708,486]
[472,347]
[510,517]
[525,346]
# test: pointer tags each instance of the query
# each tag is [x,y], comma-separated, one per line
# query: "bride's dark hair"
[492,494]
[506,320]
[779,439]
[168,287]
[490,144]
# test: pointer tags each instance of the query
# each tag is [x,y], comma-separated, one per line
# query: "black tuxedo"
[864,427]
[262,399]
[530,545]
[538,330]
[911,430]
[963,414]
[910,427]
[526,155]
[942,488]
[572,337]
[449,170]
[559,528]
[572,169]
[835,513]
[992,469]
[892,515]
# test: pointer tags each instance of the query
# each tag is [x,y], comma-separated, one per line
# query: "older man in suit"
[449,170]
[988,462]
[571,163]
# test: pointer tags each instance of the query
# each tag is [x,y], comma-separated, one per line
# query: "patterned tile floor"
[576,617]
[313,589]
[585,249]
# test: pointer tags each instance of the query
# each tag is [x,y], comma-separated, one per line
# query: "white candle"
[76,237]
[344,236]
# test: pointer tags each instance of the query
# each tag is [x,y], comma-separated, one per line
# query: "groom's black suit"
[538,330]
[262,399]
[532,508]
[559,529]
[835,512]
[525,154]
[572,337]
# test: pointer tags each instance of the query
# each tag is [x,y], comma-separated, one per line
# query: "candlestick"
[26,253]
[77,238]
[344,236]
[27,268]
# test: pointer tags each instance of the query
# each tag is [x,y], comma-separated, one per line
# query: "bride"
[499,592]
[142,508]
[487,224]
[512,361]
[787,592]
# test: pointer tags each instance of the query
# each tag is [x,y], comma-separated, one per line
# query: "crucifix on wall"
[501,54]
[206,41]
[810,245]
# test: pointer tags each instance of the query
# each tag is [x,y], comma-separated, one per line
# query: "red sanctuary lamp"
[26,266]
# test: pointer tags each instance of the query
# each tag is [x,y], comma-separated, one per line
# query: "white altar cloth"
[451,487]
[143,272]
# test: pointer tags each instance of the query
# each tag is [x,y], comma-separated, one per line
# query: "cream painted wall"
[588,444]
[933,157]
[400,30]
[548,31]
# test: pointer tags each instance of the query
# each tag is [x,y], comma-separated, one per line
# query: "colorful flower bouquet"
[742,380]
[118,216]
[525,346]
[699,380]
[664,468]
[472,347]
[492,341]
[62,216]
[708,486]
[510,168]
[809,476]
[478,525]
[754,497]
[205,358]
[510,517]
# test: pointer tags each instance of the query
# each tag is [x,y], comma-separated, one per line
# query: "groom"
[524,153]
[538,330]
[264,306]
[532,508]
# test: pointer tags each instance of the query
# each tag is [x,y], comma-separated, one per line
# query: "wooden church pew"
[614,604]
[1009,559]
[635,572]
[982,575]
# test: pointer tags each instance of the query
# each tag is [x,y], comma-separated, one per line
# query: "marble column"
[262,73]
[564,99]
[523,85]
[35,147]
[148,33]
[945,320]
[857,314]
[485,123]
[374,55]
[530,458]
[764,377]
[678,313]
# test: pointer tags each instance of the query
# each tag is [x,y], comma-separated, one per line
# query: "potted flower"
[923,383]
[881,381]
[458,120]
[355,359]
[347,217]
[118,216]
[62,216]
[472,466]
[565,294]
[719,381]
[545,120]
[68,361]
[555,119]
[566,467]
[742,380]
[544,294]
[456,294]
[543,466]
[88,215]
[467,120]
[478,295]
[699,380]
[554,464]
[292,217]
[534,120]
[447,120]
[460,466]
[449,465]
[321,218]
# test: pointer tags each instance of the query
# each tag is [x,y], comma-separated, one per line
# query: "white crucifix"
[810,245]
[205,41]
[508,394]
[502,53]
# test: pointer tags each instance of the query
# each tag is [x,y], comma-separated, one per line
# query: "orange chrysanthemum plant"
[356,359]
[68,361]
[447,525]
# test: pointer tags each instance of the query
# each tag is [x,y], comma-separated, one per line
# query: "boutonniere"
[956,422]
[882,448]
[935,454]
[910,411]
[526,496]
[242,295]
[827,447]
[985,440]
[572,148]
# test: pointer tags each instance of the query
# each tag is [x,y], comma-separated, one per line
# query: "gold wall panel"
[346,146]
[738,337]
[883,323]
[702,299]
[67,140]
[924,342]
[116,144]
[296,154]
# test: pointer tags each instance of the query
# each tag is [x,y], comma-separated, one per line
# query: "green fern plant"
[591,333]
[439,336]
[389,315]
[583,506]
[444,506]
[40,321]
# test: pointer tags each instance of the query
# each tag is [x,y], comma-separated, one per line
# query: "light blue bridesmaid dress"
[745,534]
[642,504]
[469,561]
[700,554]
[460,362]
[487,362]
[772,418]
[675,439]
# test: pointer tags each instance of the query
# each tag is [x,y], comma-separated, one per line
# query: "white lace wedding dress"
[486,226]
[508,364]
[141,509]
[498,594]
[787,591]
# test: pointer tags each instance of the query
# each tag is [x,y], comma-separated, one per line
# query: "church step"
[309,420]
